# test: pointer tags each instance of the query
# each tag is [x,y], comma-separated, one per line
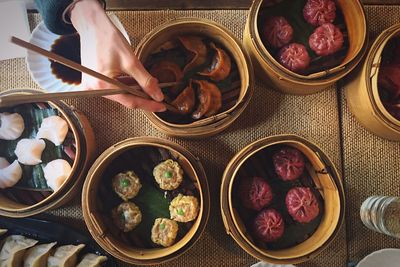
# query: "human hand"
[105,50]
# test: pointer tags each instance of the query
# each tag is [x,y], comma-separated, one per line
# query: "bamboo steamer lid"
[85,149]
[362,92]
[326,179]
[202,27]
[286,81]
[100,230]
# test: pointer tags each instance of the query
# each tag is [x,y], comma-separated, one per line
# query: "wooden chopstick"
[69,63]
[17,99]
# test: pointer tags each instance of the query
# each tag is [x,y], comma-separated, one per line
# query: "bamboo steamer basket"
[288,82]
[203,27]
[325,177]
[93,214]
[85,149]
[362,92]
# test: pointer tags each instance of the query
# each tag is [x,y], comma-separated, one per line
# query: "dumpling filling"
[126,185]
[168,174]
[127,216]
[164,232]
[184,208]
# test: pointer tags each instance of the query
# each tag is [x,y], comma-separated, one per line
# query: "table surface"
[367,163]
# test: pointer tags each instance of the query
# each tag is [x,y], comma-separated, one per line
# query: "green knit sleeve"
[51,11]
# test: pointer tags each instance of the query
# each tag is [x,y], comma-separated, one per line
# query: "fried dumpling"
[209,97]
[10,174]
[54,129]
[166,71]
[12,252]
[185,101]
[29,151]
[220,66]
[11,126]
[92,260]
[37,255]
[56,172]
[65,256]
[197,51]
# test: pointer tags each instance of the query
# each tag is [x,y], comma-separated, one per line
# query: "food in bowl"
[255,193]
[184,208]
[314,34]
[206,72]
[126,184]
[127,216]
[389,77]
[268,225]
[168,174]
[164,232]
[291,210]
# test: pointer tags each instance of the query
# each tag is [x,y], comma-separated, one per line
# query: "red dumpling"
[294,57]
[326,39]
[393,109]
[255,193]
[302,204]
[277,31]
[389,79]
[268,225]
[318,12]
[288,163]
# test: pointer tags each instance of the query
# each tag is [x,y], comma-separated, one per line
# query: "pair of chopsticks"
[9,100]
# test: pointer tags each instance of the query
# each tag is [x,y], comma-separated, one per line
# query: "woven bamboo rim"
[358,34]
[118,249]
[213,30]
[332,190]
[84,139]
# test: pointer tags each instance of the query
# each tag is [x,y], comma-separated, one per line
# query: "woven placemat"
[314,117]
[371,164]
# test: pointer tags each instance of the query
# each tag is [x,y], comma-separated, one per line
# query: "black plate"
[49,231]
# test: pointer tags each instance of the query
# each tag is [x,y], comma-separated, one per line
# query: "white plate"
[39,66]
[265,264]
[389,257]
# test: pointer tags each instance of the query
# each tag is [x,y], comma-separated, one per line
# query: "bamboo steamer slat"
[85,149]
[116,247]
[325,177]
[362,93]
[217,123]
[286,81]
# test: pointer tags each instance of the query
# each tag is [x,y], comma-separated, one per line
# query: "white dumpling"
[56,172]
[92,260]
[65,256]
[10,174]
[29,151]
[12,252]
[11,126]
[54,129]
[37,255]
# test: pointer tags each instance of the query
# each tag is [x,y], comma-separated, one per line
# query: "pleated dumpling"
[65,256]
[56,172]
[54,129]
[37,255]
[10,174]
[92,260]
[29,151]
[12,252]
[11,126]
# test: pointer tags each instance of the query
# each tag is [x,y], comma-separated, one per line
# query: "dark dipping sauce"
[152,201]
[260,164]
[67,46]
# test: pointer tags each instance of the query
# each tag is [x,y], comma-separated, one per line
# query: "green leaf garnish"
[168,174]
[125,183]
[162,226]
[180,212]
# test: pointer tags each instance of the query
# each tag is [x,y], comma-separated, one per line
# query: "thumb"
[148,83]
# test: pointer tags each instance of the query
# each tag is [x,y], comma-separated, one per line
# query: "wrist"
[85,14]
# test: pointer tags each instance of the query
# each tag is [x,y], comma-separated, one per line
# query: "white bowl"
[389,257]
[39,66]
